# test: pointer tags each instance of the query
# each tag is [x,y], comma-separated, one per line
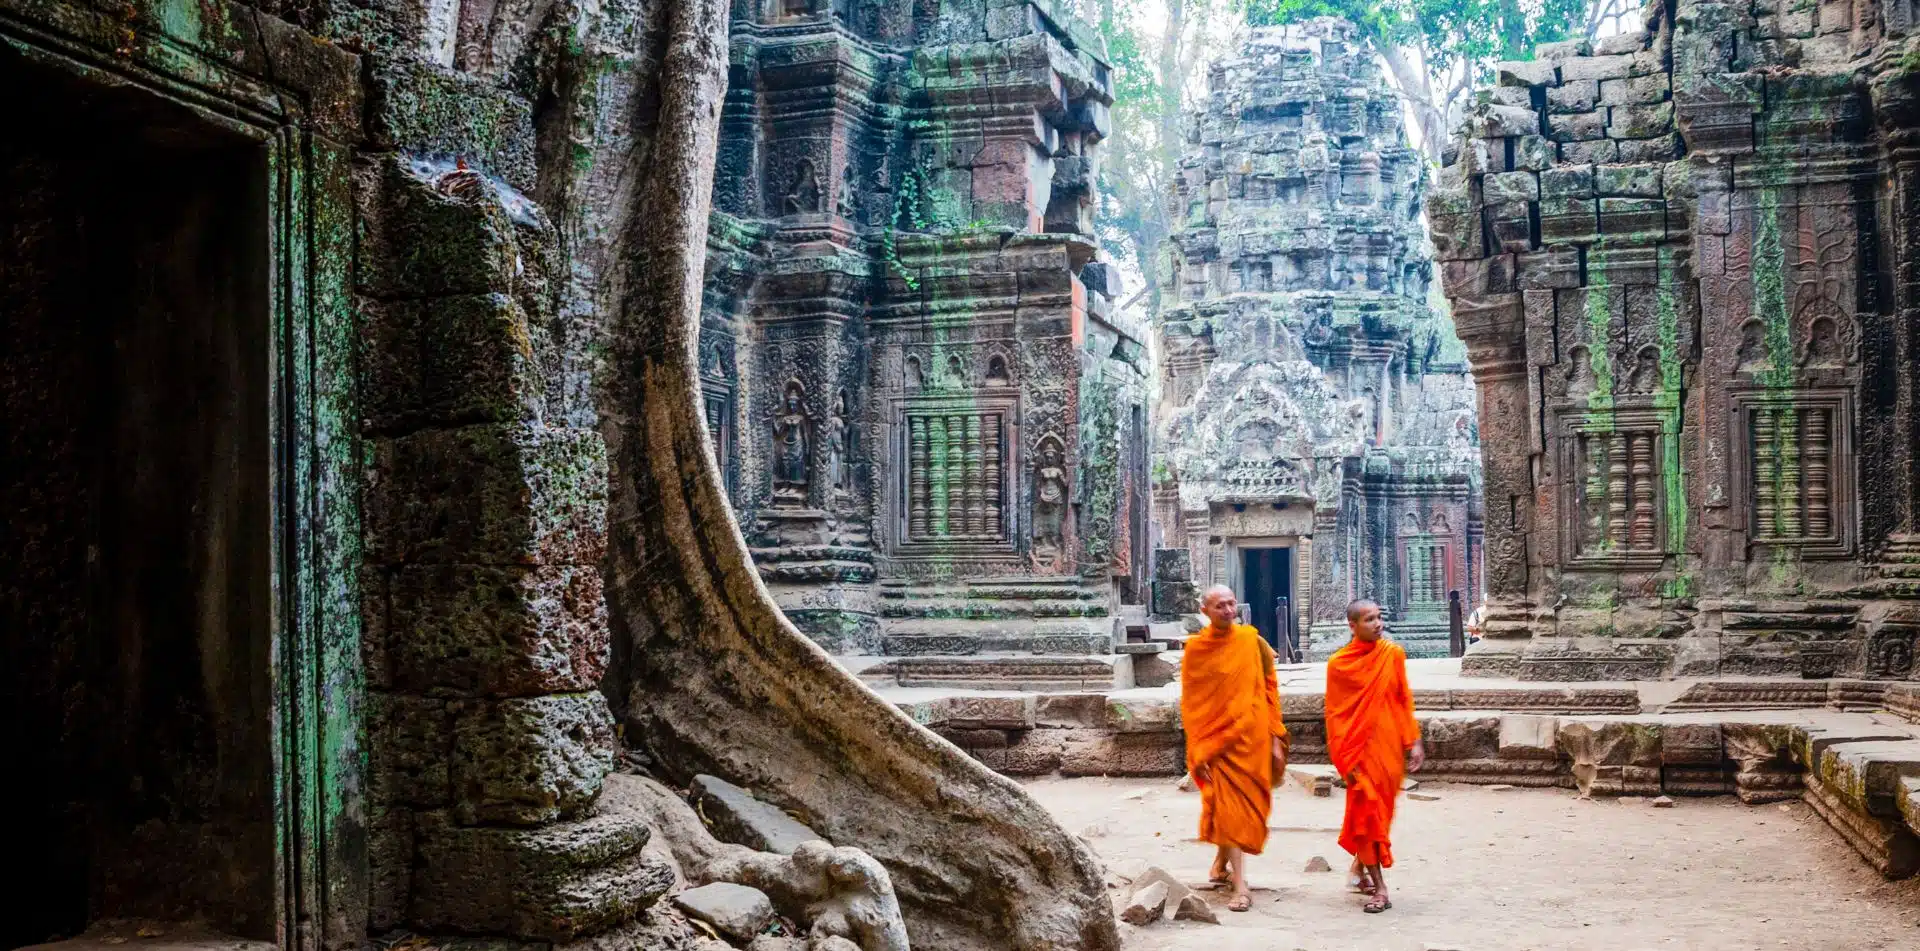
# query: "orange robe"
[1370,727]
[1230,709]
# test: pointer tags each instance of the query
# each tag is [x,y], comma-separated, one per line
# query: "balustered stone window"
[1426,562]
[1613,486]
[1794,470]
[955,460]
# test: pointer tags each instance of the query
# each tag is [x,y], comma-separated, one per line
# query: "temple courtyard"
[1488,869]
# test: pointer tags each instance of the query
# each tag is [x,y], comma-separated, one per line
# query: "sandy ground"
[1513,870]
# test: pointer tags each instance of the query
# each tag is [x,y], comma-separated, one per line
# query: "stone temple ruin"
[1316,414]
[1683,265]
[372,570]
[930,419]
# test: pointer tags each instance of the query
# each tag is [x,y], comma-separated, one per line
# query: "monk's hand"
[1280,753]
[1416,756]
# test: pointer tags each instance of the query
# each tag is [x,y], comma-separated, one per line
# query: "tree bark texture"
[714,679]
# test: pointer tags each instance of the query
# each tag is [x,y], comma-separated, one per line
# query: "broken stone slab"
[733,910]
[1662,802]
[736,816]
[1318,863]
[1316,779]
[1194,907]
[1423,797]
[1147,905]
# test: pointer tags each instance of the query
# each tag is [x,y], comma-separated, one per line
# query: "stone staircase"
[1013,614]
[1023,632]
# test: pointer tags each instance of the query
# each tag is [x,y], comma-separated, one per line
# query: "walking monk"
[1230,708]
[1373,740]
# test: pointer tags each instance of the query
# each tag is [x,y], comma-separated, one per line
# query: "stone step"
[1092,673]
[964,643]
[990,609]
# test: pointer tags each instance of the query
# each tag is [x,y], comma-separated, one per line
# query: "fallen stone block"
[1194,907]
[1662,802]
[736,816]
[1316,779]
[1318,863]
[1147,905]
[733,910]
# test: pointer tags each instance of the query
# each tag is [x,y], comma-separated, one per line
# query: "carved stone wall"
[1304,375]
[1679,261]
[917,372]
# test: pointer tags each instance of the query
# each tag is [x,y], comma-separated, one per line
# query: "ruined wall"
[912,374]
[497,526]
[1309,391]
[1680,261]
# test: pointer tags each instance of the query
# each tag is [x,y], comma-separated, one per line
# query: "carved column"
[1494,330]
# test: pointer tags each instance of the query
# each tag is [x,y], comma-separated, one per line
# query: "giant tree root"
[838,892]
[711,676]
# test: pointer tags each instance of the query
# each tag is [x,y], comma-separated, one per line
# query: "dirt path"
[1517,870]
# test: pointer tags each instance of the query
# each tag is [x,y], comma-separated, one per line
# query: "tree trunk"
[1417,88]
[715,679]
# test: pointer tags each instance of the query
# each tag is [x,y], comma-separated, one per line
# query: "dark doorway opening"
[136,512]
[1266,577]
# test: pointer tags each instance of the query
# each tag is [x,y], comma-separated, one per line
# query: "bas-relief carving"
[1050,498]
[838,436]
[792,448]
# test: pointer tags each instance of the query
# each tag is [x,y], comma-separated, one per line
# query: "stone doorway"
[1266,577]
[137,415]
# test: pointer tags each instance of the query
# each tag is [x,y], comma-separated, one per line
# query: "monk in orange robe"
[1230,709]
[1373,741]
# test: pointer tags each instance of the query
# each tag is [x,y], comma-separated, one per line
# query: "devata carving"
[792,448]
[1049,498]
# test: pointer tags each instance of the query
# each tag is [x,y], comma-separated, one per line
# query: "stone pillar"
[486,629]
[1494,329]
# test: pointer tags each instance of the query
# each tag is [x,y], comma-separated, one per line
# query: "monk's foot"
[1377,902]
[1241,902]
[1219,875]
[1360,880]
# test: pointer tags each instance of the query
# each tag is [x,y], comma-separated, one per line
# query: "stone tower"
[1683,262]
[1316,414]
[930,420]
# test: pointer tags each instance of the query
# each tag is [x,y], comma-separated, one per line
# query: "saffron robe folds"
[1370,727]
[1230,710]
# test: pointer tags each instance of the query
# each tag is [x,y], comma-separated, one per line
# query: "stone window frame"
[297,100]
[1442,548]
[1573,421]
[1013,459]
[1742,402]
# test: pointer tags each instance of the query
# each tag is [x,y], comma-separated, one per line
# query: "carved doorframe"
[251,75]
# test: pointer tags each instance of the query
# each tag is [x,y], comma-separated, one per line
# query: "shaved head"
[1221,607]
[1363,619]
